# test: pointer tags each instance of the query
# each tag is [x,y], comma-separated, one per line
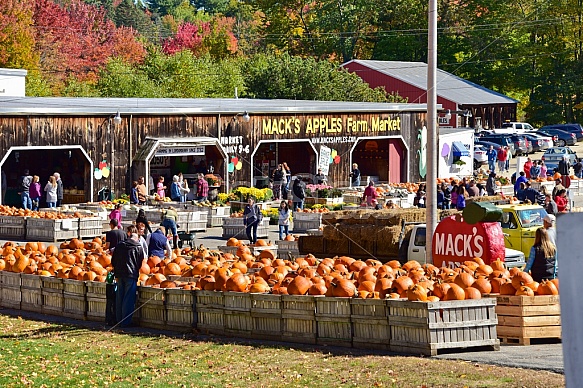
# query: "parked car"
[506,140]
[540,142]
[487,144]
[514,127]
[554,155]
[480,157]
[575,128]
[521,144]
[563,138]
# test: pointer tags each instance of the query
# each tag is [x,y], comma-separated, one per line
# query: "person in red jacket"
[562,201]
[527,167]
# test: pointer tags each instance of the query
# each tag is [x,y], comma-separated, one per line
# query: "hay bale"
[330,232]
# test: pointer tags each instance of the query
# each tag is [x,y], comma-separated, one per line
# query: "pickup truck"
[519,224]
[514,128]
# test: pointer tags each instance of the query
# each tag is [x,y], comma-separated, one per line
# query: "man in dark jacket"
[114,236]
[59,188]
[158,243]
[126,261]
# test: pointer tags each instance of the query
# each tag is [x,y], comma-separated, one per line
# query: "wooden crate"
[151,307]
[266,315]
[53,301]
[299,318]
[75,287]
[75,306]
[370,324]
[52,230]
[53,284]
[216,221]
[90,227]
[303,226]
[425,328]
[179,309]
[523,318]
[11,297]
[96,307]
[12,232]
[31,290]
[10,279]
[333,320]
[95,288]
[210,312]
[238,319]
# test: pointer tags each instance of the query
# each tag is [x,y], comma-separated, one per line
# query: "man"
[502,155]
[549,225]
[530,193]
[578,169]
[519,180]
[298,193]
[550,205]
[491,153]
[202,188]
[114,236]
[158,243]
[24,183]
[508,157]
[59,188]
[558,186]
[320,178]
[142,191]
[563,166]
[278,176]
[491,186]
[127,261]
[473,190]
[169,220]
[535,171]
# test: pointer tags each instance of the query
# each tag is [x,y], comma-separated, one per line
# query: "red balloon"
[337,159]
[235,160]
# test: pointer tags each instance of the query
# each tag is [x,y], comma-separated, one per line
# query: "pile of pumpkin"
[54,215]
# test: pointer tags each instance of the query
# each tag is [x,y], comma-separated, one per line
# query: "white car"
[480,157]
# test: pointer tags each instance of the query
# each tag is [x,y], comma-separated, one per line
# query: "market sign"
[456,241]
[331,126]
[180,151]
[324,161]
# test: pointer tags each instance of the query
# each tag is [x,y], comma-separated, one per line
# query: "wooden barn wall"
[97,135]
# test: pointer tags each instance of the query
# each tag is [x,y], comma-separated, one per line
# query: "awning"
[459,149]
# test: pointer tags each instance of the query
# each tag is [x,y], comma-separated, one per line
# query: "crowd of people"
[31,191]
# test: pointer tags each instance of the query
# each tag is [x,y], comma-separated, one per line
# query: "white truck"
[512,127]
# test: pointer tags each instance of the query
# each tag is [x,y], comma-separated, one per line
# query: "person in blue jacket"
[492,157]
[519,180]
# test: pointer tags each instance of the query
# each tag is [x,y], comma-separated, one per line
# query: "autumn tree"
[17,35]
[214,37]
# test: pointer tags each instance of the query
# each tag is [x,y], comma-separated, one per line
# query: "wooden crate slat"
[543,320]
[529,310]
[538,300]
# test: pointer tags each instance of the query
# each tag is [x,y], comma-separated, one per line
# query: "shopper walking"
[51,190]
[491,153]
[298,193]
[283,221]
[252,218]
[355,175]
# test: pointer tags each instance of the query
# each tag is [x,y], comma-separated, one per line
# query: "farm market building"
[241,140]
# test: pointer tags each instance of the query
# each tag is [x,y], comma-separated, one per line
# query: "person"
[202,188]
[454,190]
[142,219]
[473,190]
[35,192]
[298,193]
[540,198]
[520,193]
[530,194]
[549,225]
[535,171]
[320,178]
[542,260]
[370,195]
[183,186]
[550,205]
[160,188]
[114,235]
[283,220]
[278,181]
[134,194]
[151,185]
[543,168]
[391,205]
[252,217]
[355,175]
[285,187]
[142,233]
[563,166]
[418,199]
[59,189]
[175,189]
[578,169]
[24,185]
[461,198]
[508,158]
[502,156]
[126,261]
[51,190]
[491,186]
[558,186]
[142,191]
[158,243]
[440,197]
[116,214]
[527,166]
[519,180]
[562,201]
[169,219]
[446,196]
[491,153]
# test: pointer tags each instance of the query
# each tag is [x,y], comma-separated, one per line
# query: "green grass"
[54,355]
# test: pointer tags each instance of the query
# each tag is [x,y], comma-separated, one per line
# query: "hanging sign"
[324,161]
[180,151]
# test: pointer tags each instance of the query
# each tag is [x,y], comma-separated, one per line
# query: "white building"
[12,82]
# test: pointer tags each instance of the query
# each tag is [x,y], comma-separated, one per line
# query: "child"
[283,219]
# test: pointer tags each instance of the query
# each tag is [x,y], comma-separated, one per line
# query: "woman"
[283,221]
[184,189]
[543,169]
[35,192]
[287,180]
[134,193]
[542,260]
[446,196]
[355,175]
[440,198]
[491,186]
[143,220]
[160,188]
[562,201]
[370,195]
[252,217]
[116,213]
[51,190]
[175,189]
[454,190]
[461,198]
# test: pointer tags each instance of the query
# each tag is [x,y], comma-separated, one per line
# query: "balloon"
[235,160]
[445,150]
[334,153]
[239,165]
[337,159]
[97,174]
[331,160]
[230,167]
[105,172]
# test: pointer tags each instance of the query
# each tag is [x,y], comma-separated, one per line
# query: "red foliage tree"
[188,37]
[215,37]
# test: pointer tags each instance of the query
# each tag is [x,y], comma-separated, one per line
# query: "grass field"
[40,354]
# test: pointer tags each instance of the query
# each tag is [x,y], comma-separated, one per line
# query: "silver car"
[547,141]
[554,155]
[480,156]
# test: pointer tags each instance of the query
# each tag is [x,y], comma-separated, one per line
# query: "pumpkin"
[75,243]
[547,287]
[497,265]
[417,293]
[472,293]
[440,289]
[172,269]
[496,283]
[433,298]
[237,283]
[402,284]
[455,292]
[343,288]
[289,237]
[233,242]
[267,254]
[317,289]
[299,286]
[520,279]
[367,286]
[155,279]
[262,243]
[464,280]
[259,288]
[483,286]
[524,291]
[507,289]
